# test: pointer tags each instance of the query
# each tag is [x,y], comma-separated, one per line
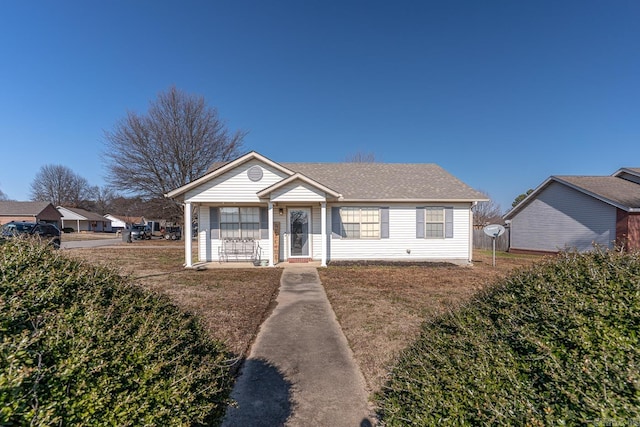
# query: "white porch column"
[271,234]
[187,236]
[323,232]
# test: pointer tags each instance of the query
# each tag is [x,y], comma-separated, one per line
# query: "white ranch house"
[299,212]
[82,220]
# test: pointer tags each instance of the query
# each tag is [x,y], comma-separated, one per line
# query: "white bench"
[239,250]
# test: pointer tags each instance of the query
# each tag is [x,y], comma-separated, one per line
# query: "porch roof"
[298,177]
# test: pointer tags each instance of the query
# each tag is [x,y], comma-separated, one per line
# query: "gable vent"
[255,173]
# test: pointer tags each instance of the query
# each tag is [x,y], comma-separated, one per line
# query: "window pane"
[434,214]
[370,215]
[229,215]
[360,223]
[350,215]
[434,230]
[250,230]
[250,215]
[370,230]
[229,231]
[352,231]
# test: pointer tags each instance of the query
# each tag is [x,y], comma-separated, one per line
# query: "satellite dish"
[493,230]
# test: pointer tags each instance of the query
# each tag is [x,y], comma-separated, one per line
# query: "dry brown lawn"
[381,308]
[71,237]
[231,303]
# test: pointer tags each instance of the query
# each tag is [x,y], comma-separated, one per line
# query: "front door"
[299,226]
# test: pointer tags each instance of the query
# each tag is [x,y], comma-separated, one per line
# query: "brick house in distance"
[29,211]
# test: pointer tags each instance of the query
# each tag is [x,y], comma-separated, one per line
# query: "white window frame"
[429,221]
[252,233]
[343,215]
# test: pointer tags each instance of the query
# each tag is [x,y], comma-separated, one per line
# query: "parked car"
[173,233]
[46,232]
[140,232]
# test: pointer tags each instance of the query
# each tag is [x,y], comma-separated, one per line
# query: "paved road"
[73,244]
[301,371]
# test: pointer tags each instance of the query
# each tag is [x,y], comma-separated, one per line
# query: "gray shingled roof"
[13,208]
[89,215]
[636,170]
[619,191]
[384,181]
[371,181]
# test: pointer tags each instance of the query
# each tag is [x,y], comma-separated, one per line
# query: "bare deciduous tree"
[361,157]
[485,213]
[3,196]
[59,185]
[172,144]
[101,200]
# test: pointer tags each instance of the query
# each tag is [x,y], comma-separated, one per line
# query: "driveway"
[75,244]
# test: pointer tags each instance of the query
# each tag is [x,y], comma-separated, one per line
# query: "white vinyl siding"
[297,193]
[234,186]
[563,218]
[402,243]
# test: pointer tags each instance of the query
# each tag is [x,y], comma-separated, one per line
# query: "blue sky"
[502,94]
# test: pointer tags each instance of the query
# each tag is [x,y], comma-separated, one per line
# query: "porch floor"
[243,265]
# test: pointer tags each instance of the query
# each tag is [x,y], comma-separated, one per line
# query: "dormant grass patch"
[381,308]
[231,303]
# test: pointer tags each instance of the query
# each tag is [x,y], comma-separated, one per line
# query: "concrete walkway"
[301,371]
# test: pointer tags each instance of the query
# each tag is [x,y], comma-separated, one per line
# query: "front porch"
[295,232]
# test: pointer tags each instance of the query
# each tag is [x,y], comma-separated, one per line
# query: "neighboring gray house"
[83,220]
[299,212]
[576,212]
[29,211]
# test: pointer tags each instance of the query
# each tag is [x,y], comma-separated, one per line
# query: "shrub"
[556,344]
[83,346]
[68,230]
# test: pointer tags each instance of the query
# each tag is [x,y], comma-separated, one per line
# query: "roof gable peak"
[252,155]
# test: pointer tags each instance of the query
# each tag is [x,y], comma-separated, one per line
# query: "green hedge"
[81,345]
[557,344]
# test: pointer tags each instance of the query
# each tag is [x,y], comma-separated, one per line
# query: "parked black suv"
[46,232]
